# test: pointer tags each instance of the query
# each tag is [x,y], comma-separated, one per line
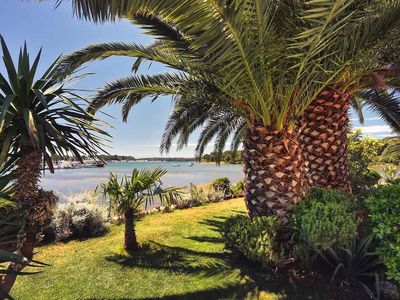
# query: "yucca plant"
[40,118]
[10,223]
[129,195]
[355,263]
[270,59]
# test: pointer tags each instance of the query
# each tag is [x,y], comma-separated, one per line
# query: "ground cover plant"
[384,213]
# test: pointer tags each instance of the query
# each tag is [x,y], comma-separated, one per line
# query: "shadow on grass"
[244,280]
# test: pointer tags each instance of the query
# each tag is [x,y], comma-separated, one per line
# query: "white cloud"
[365,119]
[375,129]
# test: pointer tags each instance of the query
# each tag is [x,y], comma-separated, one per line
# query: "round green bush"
[325,218]
[222,185]
[384,213]
[255,238]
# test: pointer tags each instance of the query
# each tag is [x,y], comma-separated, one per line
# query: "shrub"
[362,152]
[325,218]
[384,213]
[254,238]
[390,173]
[363,182]
[238,189]
[222,185]
[198,196]
[355,263]
[78,218]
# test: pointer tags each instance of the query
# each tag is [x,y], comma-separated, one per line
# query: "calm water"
[68,181]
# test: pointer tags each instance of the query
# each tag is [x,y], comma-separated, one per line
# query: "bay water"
[68,181]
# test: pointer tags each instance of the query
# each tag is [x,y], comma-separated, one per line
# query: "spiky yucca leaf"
[42,113]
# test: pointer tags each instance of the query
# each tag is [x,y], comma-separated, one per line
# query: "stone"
[280,175]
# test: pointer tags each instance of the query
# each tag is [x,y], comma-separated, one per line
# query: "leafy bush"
[384,213]
[355,263]
[325,218]
[238,189]
[362,152]
[78,218]
[254,238]
[390,172]
[363,183]
[396,181]
[222,185]
[198,196]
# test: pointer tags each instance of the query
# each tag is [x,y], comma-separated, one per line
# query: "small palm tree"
[39,119]
[131,193]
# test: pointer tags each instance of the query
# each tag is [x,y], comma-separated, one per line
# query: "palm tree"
[271,59]
[10,222]
[39,119]
[130,194]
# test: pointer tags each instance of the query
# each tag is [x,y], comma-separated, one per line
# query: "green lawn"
[184,259]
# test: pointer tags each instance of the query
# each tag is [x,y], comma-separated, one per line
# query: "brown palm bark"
[274,172]
[131,243]
[27,174]
[323,138]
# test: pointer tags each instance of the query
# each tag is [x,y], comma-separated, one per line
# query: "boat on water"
[191,164]
[176,165]
[78,165]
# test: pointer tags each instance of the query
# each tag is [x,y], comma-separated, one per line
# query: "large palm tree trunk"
[27,175]
[274,172]
[325,125]
[131,243]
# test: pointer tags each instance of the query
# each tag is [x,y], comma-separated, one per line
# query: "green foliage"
[355,263]
[325,218]
[390,172]
[138,190]
[223,185]
[238,189]
[198,196]
[42,113]
[384,213]
[362,152]
[363,183]
[230,157]
[255,238]
[79,218]
[235,59]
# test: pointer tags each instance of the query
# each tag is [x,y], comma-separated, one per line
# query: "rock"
[389,291]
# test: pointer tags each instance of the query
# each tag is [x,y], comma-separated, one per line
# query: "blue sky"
[57,31]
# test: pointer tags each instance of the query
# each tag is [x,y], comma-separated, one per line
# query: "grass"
[183,258]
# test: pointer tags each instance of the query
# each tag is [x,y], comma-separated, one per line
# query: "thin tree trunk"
[323,138]
[131,243]
[27,174]
[274,172]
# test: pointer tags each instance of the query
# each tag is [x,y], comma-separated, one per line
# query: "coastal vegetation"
[184,259]
[39,119]
[320,218]
[288,103]
[129,195]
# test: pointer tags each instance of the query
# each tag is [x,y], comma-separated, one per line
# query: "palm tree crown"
[270,58]
[43,114]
